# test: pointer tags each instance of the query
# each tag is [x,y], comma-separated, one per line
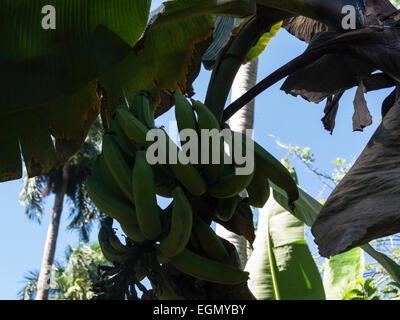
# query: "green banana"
[107,202]
[185,173]
[184,113]
[165,182]
[144,109]
[258,191]
[144,193]
[208,270]
[207,120]
[230,185]
[133,128]
[126,146]
[194,243]
[181,225]
[109,252]
[101,170]
[226,207]
[133,232]
[117,165]
[117,244]
[211,244]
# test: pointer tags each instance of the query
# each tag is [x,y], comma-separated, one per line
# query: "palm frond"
[31,196]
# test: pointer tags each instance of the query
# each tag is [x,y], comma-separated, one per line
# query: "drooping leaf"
[341,272]
[364,205]
[304,28]
[361,118]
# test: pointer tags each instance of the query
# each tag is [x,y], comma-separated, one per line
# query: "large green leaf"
[341,272]
[48,77]
[38,65]
[307,209]
[281,266]
[56,76]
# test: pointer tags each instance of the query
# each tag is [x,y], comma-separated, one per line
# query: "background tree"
[73,278]
[68,180]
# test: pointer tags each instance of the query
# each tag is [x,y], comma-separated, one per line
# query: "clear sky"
[293,120]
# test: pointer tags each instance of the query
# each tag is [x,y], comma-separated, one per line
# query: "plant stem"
[234,56]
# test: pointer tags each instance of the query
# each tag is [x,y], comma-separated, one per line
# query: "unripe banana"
[165,182]
[181,225]
[109,252]
[144,109]
[184,113]
[126,146]
[101,171]
[258,191]
[207,120]
[144,193]
[117,165]
[117,244]
[132,127]
[133,232]
[230,185]
[227,207]
[186,174]
[208,270]
[211,244]
[107,202]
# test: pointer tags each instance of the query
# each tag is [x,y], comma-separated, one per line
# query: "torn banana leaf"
[364,206]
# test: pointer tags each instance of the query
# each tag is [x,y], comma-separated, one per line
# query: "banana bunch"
[124,185]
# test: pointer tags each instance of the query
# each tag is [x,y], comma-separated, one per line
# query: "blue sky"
[293,120]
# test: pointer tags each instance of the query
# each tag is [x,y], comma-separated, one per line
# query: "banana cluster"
[125,186]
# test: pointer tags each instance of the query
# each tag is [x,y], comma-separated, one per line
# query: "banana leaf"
[341,272]
[307,210]
[263,42]
[281,266]
[50,79]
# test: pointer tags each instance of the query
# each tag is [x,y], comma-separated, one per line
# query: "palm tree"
[72,280]
[69,180]
[242,120]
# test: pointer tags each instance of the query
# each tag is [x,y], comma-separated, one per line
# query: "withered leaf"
[331,108]
[304,28]
[365,204]
[361,118]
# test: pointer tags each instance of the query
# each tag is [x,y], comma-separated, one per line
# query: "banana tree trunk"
[43,285]
[242,120]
